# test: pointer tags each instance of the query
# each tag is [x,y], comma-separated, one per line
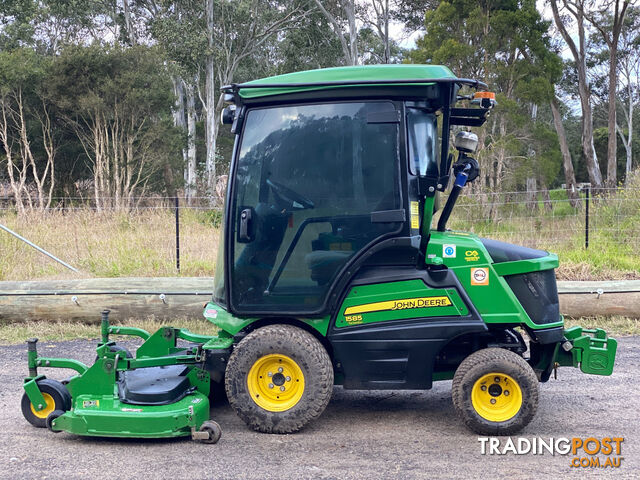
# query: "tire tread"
[484,361]
[318,385]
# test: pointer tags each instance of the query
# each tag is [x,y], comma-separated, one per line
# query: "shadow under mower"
[162,392]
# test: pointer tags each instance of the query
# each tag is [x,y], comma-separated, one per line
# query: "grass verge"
[615,326]
[14,333]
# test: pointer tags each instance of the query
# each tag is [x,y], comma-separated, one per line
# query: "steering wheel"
[292,199]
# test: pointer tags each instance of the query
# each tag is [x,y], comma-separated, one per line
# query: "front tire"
[279,378]
[495,391]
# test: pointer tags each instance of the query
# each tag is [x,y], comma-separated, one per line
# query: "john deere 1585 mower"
[331,273]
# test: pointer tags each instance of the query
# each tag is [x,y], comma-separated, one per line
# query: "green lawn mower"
[330,273]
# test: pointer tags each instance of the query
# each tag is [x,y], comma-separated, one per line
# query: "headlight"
[466,142]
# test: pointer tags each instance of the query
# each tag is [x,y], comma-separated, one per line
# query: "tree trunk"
[350,12]
[569,173]
[612,145]
[546,199]
[629,143]
[501,154]
[179,119]
[337,30]
[128,24]
[579,53]
[50,149]
[387,47]
[7,144]
[211,111]
[588,150]
[190,187]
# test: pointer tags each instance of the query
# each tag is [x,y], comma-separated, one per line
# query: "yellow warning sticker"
[402,304]
[415,215]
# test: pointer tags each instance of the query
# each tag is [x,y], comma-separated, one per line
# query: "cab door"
[314,186]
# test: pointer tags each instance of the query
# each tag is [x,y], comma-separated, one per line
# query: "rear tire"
[495,391]
[279,378]
[57,397]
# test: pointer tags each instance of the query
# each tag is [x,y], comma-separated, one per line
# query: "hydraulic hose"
[458,185]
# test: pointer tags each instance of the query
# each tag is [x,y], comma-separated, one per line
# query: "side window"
[311,176]
[422,129]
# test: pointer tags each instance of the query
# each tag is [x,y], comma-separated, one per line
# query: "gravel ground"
[362,434]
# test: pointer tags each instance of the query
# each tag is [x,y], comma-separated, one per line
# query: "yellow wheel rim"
[496,397]
[50,407]
[275,382]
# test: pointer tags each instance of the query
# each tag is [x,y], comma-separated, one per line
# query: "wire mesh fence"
[156,236]
[547,219]
[166,236]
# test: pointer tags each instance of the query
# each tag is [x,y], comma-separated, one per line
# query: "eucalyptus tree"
[608,19]
[567,15]
[629,82]
[211,41]
[505,44]
[28,138]
[342,17]
[312,44]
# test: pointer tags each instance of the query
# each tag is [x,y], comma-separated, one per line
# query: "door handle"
[245,232]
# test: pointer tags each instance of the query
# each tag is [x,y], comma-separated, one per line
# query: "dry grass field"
[108,244]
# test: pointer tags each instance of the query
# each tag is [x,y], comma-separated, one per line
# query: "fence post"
[177,235]
[586,217]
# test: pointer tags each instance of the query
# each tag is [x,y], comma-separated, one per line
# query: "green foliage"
[506,44]
[105,79]
[80,59]
[311,44]
[16,26]
[180,29]
[125,89]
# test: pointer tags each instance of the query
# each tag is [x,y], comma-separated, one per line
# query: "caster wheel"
[213,429]
[50,419]
[56,396]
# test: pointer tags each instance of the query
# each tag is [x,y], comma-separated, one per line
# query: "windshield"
[423,142]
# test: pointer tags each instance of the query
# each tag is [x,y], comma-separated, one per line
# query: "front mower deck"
[162,392]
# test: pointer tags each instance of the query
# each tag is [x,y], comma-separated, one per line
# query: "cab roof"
[394,76]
